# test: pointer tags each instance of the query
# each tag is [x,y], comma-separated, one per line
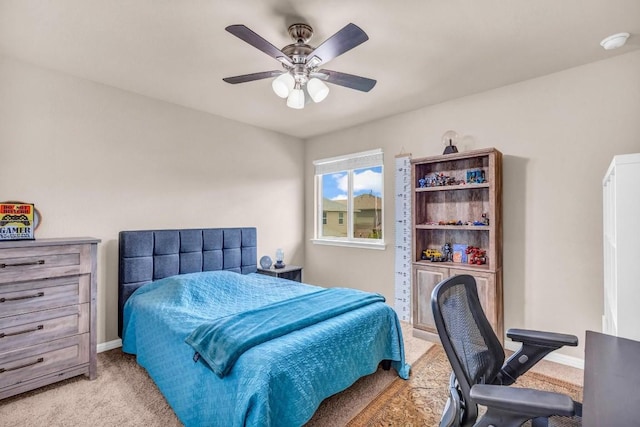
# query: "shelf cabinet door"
[486,285]
[425,280]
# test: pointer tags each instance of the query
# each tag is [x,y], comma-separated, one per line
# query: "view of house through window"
[349,196]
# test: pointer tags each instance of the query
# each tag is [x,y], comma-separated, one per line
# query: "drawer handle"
[39,294]
[26,331]
[15,368]
[21,264]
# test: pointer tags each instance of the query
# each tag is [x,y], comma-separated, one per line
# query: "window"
[349,199]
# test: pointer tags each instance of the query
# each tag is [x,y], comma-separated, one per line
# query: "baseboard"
[110,345]
[551,357]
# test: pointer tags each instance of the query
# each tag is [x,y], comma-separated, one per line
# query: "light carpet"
[124,395]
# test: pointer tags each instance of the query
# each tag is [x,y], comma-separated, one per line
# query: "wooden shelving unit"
[435,207]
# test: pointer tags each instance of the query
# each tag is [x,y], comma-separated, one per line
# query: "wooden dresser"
[47,312]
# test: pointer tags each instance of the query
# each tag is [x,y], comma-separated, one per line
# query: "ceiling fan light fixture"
[317,89]
[296,98]
[301,61]
[283,85]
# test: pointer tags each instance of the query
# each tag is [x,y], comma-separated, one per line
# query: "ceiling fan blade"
[347,80]
[258,42]
[342,41]
[251,77]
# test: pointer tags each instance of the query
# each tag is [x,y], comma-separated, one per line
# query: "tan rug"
[420,400]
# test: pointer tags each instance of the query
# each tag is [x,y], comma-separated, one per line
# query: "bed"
[179,289]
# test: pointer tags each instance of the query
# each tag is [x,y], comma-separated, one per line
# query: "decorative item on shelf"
[265,262]
[449,139]
[476,176]
[447,252]
[459,253]
[279,259]
[485,217]
[476,255]
[432,255]
[18,221]
[438,180]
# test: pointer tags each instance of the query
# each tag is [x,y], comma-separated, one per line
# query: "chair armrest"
[550,339]
[514,404]
[535,346]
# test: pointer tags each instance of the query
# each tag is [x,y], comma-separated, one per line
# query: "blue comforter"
[280,382]
[221,342]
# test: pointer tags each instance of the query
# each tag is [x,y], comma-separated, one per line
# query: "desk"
[611,381]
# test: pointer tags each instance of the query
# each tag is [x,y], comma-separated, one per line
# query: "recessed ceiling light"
[614,41]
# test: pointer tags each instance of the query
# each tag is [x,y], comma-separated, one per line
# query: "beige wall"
[96,160]
[558,134]
[122,161]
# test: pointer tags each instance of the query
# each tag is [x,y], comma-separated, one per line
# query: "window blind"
[361,160]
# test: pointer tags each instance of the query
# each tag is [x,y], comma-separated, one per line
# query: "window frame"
[347,163]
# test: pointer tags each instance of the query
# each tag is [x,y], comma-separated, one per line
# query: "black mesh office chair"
[479,374]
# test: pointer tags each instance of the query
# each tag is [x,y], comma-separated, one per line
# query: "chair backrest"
[471,345]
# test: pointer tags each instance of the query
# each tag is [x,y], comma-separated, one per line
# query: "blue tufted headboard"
[147,255]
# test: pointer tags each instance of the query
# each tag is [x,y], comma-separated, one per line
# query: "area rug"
[419,401]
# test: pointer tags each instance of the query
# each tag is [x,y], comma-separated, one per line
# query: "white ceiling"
[421,52]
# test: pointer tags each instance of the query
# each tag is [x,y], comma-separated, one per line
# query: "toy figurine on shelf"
[476,176]
[422,183]
[486,218]
[476,255]
[433,255]
[447,252]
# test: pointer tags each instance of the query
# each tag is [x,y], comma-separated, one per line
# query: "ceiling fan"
[302,78]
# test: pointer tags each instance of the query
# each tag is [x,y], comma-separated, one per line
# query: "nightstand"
[290,272]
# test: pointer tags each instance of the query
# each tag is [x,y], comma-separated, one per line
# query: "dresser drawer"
[25,297]
[28,363]
[19,264]
[30,329]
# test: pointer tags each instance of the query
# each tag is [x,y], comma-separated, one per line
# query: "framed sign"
[17,221]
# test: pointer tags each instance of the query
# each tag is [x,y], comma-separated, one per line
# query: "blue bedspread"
[221,342]
[280,382]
